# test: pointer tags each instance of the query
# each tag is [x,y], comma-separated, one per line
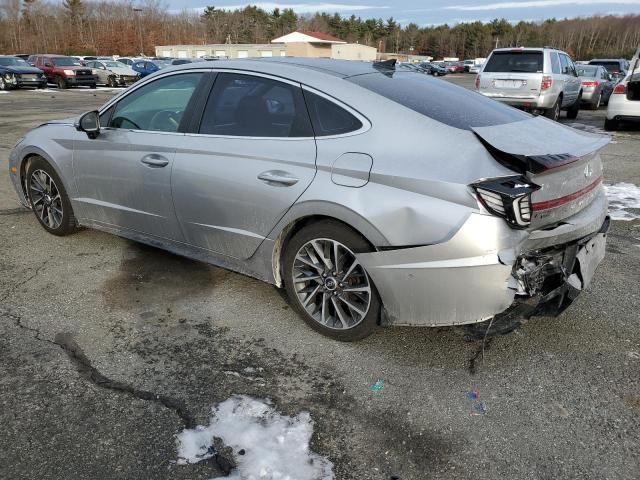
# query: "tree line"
[123,27]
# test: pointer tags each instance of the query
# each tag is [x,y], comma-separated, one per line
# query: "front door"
[253,156]
[123,177]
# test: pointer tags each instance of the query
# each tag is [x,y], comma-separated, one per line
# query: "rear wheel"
[553,113]
[326,284]
[48,199]
[92,86]
[113,82]
[62,83]
[595,105]
[611,125]
[572,111]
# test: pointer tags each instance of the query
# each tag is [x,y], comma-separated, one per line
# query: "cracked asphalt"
[109,348]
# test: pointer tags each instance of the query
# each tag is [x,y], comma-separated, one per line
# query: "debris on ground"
[377,385]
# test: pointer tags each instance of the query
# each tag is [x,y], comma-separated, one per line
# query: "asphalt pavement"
[108,349]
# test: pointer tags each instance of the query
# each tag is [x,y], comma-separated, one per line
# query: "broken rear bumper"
[481,272]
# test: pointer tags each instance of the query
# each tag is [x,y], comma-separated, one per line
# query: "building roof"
[307,37]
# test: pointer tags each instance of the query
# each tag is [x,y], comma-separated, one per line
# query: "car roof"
[336,68]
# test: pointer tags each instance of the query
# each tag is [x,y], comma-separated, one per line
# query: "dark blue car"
[16,73]
[145,67]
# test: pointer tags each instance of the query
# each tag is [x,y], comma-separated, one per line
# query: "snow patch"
[276,446]
[623,196]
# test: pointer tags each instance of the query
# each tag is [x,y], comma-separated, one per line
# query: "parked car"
[624,105]
[540,80]
[468,64]
[412,67]
[434,69]
[144,67]
[113,74]
[23,56]
[128,61]
[357,233]
[618,67]
[476,68]
[597,85]
[16,73]
[64,71]
[454,67]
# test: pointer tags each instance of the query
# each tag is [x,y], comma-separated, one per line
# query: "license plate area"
[509,84]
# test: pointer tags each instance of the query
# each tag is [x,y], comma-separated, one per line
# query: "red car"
[64,71]
[454,67]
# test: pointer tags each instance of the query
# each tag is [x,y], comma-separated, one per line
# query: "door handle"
[154,160]
[278,177]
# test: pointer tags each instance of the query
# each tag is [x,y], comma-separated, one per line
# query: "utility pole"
[137,11]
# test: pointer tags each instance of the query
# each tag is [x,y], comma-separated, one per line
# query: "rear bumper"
[621,108]
[476,274]
[543,101]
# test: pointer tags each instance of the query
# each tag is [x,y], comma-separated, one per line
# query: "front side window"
[158,106]
[564,61]
[250,106]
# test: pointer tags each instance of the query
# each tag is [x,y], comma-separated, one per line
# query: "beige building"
[295,44]
[223,50]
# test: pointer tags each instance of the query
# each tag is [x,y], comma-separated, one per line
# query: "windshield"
[113,64]
[518,61]
[66,62]
[13,62]
[587,72]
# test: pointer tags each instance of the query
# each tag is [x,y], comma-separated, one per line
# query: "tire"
[611,125]
[553,113]
[596,105]
[572,111]
[112,82]
[328,300]
[61,83]
[3,84]
[49,200]
[92,86]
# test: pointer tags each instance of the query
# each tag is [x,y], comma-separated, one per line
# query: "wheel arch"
[26,160]
[293,225]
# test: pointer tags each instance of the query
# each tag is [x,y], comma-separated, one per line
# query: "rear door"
[513,73]
[571,80]
[249,159]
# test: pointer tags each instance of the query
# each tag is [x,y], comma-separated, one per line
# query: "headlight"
[70,73]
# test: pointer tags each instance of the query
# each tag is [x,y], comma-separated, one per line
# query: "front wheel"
[3,84]
[572,111]
[48,199]
[326,284]
[113,83]
[62,83]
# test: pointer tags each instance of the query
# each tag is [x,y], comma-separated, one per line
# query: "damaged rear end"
[558,199]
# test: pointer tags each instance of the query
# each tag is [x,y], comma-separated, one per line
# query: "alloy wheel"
[2,84]
[330,284]
[46,199]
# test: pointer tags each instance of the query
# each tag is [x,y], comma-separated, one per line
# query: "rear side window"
[516,61]
[252,106]
[328,118]
[442,101]
[555,63]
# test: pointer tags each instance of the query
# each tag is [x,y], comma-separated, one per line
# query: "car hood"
[122,70]
[17,69]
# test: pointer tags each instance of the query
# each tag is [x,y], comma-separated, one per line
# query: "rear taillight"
[546,82]
[477,82]
[509,198]
[621,88]
[589,83]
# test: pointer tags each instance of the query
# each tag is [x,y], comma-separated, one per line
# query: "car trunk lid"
[563,161]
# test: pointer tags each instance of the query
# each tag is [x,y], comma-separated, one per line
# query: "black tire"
[553,113]
[112,82]
[3,84]
[611,125]
[92,86]
[336,231]
[61,83]
[67,223]
[596,104]
[572,111]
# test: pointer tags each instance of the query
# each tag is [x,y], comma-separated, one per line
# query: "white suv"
[540,80]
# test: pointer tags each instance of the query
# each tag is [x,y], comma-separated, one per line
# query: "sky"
[436,12]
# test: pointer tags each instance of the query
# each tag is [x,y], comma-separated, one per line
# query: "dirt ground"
[108,349]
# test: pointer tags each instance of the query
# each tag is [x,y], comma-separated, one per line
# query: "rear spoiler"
[538,144]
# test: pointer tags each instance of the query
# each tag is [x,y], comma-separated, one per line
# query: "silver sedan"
[312,175]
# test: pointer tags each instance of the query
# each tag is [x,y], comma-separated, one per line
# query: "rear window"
[587,72]
[442,101]
[611,66]
[519,61]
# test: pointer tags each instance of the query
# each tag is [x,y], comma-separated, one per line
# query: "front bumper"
[80,81]
[483,270]
[17,81]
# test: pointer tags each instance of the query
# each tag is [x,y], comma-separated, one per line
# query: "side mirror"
[48,64]
[90,124]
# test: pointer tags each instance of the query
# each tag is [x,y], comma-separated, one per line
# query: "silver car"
[540,80]
[305,174]
[624,104]
[597,85]
[112,73]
